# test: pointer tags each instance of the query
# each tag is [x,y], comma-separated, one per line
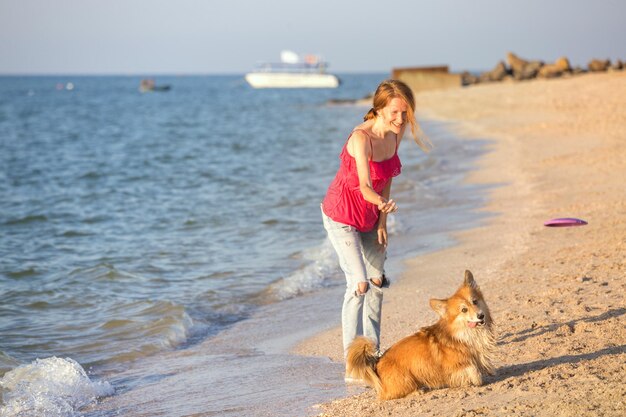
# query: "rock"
[530,71]
[597,65]
[578,70]
[522,69]
[468,79]
[618,65]
[563,64]
[550,71]
[497,74]
[517,64]
[560,67]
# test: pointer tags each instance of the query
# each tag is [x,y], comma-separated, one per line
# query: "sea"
[161,253]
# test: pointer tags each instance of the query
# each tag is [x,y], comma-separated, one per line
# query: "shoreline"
[556,151]
[230,359]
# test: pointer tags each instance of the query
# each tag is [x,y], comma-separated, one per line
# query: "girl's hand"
[388,206]
[382,236]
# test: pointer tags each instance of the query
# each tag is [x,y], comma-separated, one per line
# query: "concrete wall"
[427,78]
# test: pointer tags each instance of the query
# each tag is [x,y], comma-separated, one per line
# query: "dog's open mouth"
[473,324]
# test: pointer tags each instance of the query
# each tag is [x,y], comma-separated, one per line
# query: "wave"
[7,363]
[105,329]
[22,273]
[322,265]
[32,218]
[51,387]
[139,329]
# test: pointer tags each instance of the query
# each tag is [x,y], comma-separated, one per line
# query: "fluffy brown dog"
[454,352]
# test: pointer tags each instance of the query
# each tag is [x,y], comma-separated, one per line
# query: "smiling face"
[394,115]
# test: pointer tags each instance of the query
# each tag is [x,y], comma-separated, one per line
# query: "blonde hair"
[387,91]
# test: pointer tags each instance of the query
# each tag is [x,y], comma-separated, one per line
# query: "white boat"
[292,72]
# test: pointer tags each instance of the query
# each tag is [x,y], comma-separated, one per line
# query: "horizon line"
[153,74]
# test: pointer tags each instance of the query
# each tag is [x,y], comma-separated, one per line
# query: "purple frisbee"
[565,222]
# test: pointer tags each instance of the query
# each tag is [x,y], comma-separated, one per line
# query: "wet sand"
[558,149]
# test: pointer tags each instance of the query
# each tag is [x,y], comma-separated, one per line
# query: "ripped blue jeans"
[362,259]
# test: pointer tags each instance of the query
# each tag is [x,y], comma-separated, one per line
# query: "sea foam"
[51,387]
[321,265]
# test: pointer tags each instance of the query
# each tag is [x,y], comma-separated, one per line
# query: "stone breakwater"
[517,68]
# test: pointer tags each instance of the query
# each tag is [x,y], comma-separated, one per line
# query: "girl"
[358,201]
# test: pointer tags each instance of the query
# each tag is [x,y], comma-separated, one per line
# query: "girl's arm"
[382,219]
[362,155]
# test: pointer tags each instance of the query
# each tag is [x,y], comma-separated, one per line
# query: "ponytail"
[371,114]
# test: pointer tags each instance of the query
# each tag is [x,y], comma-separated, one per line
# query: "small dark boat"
[148,85]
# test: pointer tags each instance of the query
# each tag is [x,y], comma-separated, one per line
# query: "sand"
[557,149]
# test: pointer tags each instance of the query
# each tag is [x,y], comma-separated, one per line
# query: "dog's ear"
[469,280]
[439,306]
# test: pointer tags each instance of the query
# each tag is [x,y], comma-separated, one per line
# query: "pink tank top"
[344,202]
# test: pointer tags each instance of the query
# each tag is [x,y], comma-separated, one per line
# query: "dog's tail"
[361,361]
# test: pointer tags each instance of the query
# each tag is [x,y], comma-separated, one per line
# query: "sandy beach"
[557,149]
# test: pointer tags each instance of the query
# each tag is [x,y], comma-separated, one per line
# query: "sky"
[232,36]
